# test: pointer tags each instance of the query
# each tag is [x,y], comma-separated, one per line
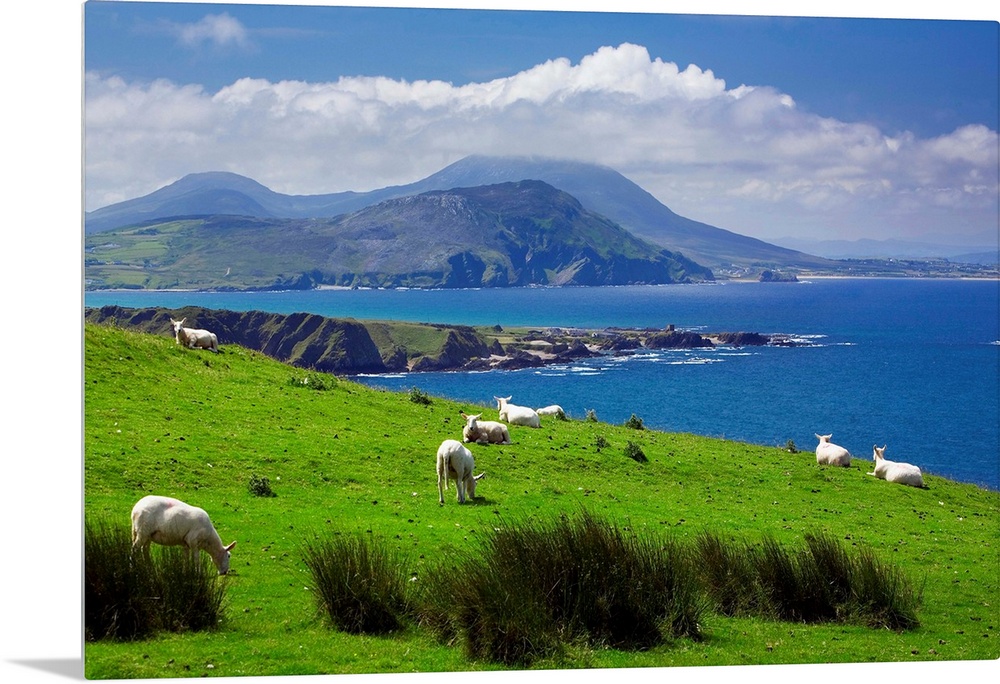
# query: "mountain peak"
[597,188]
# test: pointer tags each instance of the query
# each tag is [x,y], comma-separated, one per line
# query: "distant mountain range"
[895,249]
[507,234]
[598,188]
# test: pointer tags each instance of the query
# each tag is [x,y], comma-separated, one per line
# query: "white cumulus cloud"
[220,30]
[743,157]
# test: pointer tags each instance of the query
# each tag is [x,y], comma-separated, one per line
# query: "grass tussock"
[822,582]
[534,588]
[128,597]
[359,583]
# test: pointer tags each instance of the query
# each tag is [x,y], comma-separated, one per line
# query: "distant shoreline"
[802,278]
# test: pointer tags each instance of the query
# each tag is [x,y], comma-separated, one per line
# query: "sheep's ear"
[461,413]
[230,547]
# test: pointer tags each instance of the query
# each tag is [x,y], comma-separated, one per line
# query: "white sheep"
[553,410]
[517,415]
[171,522]
[454,461]
[828,453]
[484,431]
[194,338]
[893,471]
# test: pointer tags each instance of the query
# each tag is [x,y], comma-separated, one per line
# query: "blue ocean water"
[910,363]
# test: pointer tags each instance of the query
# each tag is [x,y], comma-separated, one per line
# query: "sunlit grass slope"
[350,459]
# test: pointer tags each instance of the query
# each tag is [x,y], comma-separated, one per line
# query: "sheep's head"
[470,485]
[824,439]
[877,453]
[177,324]
[224,561]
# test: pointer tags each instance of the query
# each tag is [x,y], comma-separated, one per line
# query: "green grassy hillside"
[345,458]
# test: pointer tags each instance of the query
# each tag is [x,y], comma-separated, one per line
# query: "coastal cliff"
[348,347]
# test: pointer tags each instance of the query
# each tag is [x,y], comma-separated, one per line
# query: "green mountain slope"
[599,188]
[513,234]
[343,458]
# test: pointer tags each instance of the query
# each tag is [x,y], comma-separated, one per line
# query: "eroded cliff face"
[330,345]
[305,340]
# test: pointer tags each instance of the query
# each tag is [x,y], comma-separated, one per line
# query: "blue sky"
[767,125]
[924,76]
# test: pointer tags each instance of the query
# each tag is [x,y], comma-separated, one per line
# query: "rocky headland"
[350,347]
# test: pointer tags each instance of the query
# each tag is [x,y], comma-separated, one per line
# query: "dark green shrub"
[635,452]
[358,583]
[130,596]
[533,588]
[790,447]
[260,486]
[727,571]
[418,396]
[882,596]
[635,423]
[117,589]
[192,593]
[601,443]
[591,416]
[823,582]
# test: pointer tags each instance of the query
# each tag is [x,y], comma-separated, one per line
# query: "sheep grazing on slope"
[454,461]
[517,415]
[553,410]
[171,522]
[828,453]
[893,471]
[193,339]
[484,431]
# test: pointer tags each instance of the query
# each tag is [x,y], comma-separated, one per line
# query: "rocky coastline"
[351,347]
[553,346]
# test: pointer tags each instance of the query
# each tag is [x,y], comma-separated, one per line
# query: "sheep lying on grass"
[484,431]
[171,522]
[553,410]
[517,415]
[192,338]
[456,462]
[828,453]
[893,471]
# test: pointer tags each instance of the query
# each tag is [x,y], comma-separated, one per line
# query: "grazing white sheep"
[894,471]
[171,522]
[553,410]
[484,431]
[194,338]
[454,461]
[828,453]
[517,415]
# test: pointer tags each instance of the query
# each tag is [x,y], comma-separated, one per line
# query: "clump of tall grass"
[132,596]
[418,396]
[260,486]
[635,422]
[635,452]
[532,588]
[358,583]
[822,582]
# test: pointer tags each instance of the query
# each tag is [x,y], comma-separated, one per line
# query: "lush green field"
[160,419]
